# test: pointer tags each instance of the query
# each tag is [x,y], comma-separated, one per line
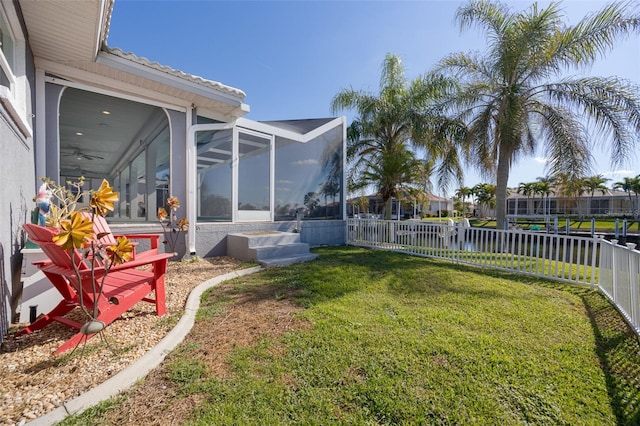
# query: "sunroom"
[229,176]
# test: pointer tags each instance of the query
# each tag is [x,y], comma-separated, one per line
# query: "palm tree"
[592,184]
[571,188]
[485,194]
[526,189]
[629,185]
[463,193]
[388,124]
[515,98]
[544,187]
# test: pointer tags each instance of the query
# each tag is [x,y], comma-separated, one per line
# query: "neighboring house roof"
[432,197]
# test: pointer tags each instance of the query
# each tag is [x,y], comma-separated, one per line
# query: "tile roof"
[174,72]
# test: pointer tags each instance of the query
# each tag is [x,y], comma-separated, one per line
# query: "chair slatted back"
[42,236]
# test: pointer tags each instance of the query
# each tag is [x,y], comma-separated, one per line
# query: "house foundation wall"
[211,238]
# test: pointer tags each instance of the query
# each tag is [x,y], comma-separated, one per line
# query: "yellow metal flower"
[102,200]
[183,224]
[120,252]
[74,232]
[173,203]
[162,214]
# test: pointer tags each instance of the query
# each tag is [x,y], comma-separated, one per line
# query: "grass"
[406,340]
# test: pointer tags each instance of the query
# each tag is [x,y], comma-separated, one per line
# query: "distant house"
[71,106]
[611,203]
[407,208]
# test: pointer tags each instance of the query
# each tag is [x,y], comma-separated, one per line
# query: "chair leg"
[161,304]
[74,341]
[63,308]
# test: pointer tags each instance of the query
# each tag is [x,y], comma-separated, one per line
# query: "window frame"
[16,97]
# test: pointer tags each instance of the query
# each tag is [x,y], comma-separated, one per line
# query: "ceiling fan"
[79,155]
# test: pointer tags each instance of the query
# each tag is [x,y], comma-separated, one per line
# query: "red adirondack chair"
[124,285]
[101,227]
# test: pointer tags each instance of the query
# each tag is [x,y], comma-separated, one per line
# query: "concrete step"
[290,260]
[280,250]
[265,238]
[256,246]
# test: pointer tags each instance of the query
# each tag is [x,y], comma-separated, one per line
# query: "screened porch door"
[254,176]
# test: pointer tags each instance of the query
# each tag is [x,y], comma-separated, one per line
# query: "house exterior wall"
[17,176]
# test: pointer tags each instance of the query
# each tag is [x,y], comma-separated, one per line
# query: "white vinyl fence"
[619,271]
[587,261]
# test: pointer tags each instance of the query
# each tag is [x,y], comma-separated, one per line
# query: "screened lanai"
[283,170]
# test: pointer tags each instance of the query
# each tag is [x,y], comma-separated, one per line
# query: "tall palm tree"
[388,125]
[526,189]
[544,187]
[463,193]
[629,185]
[516,98]
[591,184]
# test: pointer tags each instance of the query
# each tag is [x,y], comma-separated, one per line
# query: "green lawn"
[407,340]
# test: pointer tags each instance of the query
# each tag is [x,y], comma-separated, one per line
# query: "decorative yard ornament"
[174,229]
[43,203]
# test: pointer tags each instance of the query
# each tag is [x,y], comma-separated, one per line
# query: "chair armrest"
[98,272]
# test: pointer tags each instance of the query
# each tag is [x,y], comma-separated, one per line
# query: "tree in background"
[463,193]
[629,185]
[388,125]
[592,184]
[485,194]
[516,96]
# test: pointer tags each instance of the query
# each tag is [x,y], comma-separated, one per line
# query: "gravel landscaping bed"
[35,381]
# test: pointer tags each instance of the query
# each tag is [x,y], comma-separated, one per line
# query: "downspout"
[192,172]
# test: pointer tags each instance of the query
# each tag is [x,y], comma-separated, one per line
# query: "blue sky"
[292,57]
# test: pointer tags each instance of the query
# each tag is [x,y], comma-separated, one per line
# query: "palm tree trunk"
[501,189]
[387,207]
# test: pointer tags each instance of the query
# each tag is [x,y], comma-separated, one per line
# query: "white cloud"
[541,160]
[285,182]
[619,172]
[279,188]
[306,162]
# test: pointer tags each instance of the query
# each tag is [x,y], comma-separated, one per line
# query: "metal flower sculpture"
[171,225]
[76,234]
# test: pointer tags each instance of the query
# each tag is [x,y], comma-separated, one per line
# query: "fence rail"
[595,262]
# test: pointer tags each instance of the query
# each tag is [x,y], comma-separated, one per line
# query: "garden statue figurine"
[43,203]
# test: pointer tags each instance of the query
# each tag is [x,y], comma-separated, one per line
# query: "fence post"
[614,274]
[633,283]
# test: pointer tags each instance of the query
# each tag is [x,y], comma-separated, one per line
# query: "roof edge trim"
[129,62]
